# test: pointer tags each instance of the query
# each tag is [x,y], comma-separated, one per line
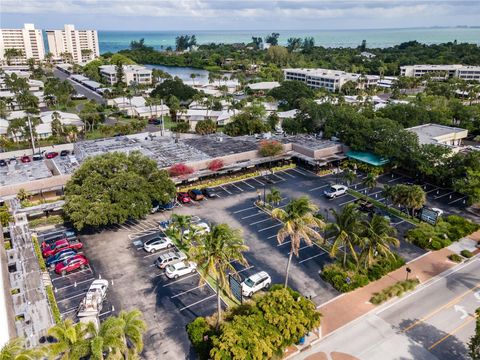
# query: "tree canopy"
[291,92]
[174,87]
[115,187]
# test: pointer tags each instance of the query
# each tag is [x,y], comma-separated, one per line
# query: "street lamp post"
[408,270]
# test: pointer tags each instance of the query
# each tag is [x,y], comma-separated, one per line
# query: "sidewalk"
[352,305]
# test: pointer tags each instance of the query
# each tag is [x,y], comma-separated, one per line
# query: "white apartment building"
[132,74]
[464,72]
[332,80]
[81,44]
[27,40]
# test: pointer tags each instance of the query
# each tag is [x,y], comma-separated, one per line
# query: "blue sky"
[239,14]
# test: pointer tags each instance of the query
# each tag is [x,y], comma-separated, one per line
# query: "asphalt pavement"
[435,322]
[80,89]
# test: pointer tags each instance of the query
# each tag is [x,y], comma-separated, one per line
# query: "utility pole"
[31,134]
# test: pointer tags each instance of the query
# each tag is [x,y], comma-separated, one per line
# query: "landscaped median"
[234,178]
[397,289]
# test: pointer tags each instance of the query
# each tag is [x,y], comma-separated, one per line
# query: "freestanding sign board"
[235,287]
[429,216]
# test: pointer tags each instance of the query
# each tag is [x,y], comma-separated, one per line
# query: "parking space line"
[300,172]
[260,221]
[276,174]
[271,237]
[248,184]
[70,310]
[233,184]
[438,197]
[288,174]
[395,179]
[180,279]
[239,211]
[300,249]
[261,183]
[319,187]
[454,201]
[247,268]
[434,189]
[123,227]
[73,296]
[74,273]
[270,227]
[187,291]
[77,282]
[338,197]
[398,223]
[249,216]
[197,302]
[228,192]
[347,202]
[312,257]
[284,243]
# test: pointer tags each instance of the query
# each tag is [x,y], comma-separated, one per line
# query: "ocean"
[113,41]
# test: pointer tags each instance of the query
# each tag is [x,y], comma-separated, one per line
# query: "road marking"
[398,223]
[346,202]
[239,211]
[247,268]
[459,308]
[288,174]
[276,174]
[271,237]
[453,332]
[300,249]
[311,257]
[69,310]
[248,184]
[228,192]
[301,172]
[319,187]
[454,201]
[249,216]
[440,308]
[338,197]
[197,302]
[270,227]
[438,197]
[434,189]
[187,291]
[73,273]
[237,187]
[78,283]
[261,183]
[105,313]
[395,179]
[283,243]
[180,279]
[73,296]
[260,221]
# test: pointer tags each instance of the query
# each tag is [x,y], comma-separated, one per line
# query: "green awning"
[367,157]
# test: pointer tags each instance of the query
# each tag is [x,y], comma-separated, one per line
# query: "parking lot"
[169,305]
[70,289]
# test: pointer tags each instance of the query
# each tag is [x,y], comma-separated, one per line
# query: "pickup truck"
[52,249]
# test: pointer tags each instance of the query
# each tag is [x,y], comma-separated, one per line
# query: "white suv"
[176,270]
[157,243]
[169,258]
[198,229]
[335,190]
[256,282]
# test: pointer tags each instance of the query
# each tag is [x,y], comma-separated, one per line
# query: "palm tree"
[347,230]
[12,53]
[214,255]
[370,181]
[378,237]
[15,350]
[70,342]
[181,223]
[105,340]
[348,176]
[274,197]
[299,223]
[132,329]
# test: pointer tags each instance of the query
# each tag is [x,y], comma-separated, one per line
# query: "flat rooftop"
[427,133]
[323,73]
[221,145]
[20,172]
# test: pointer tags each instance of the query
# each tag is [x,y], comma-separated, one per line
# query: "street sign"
[235,288]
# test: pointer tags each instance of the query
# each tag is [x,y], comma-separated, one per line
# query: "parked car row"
[60,251]
[196,195]
[35,157]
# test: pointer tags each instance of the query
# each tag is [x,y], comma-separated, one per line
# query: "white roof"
[17,114]
[148,109]
[3,127]
[65,118]
[137,101]
[264,85]
[6,94]
[287,114]
[432,133]
[112,69]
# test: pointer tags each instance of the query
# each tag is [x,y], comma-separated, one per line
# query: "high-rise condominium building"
[82,45]
[28,43]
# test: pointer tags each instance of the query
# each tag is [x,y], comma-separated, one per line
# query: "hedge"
[50,220]
[451,228]
[466,253]
[38,252]
[53,304]
[396,289]
[350,278]
[455,257]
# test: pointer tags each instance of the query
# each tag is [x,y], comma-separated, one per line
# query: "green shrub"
[199,332]
[15,291]
[53,304]
[455,257]
[38,253]
[460,227]
[7,245]
[466,253]
[50,220]
[397,289]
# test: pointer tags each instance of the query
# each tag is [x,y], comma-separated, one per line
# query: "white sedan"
[335,190]
[157,243]
[176,270]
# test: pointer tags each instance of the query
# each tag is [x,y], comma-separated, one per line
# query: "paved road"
[80,88]
[433,323]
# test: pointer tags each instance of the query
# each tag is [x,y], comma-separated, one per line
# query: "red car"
[71,264]
[25,159]
[183,197]
[51,155]
[49,250]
